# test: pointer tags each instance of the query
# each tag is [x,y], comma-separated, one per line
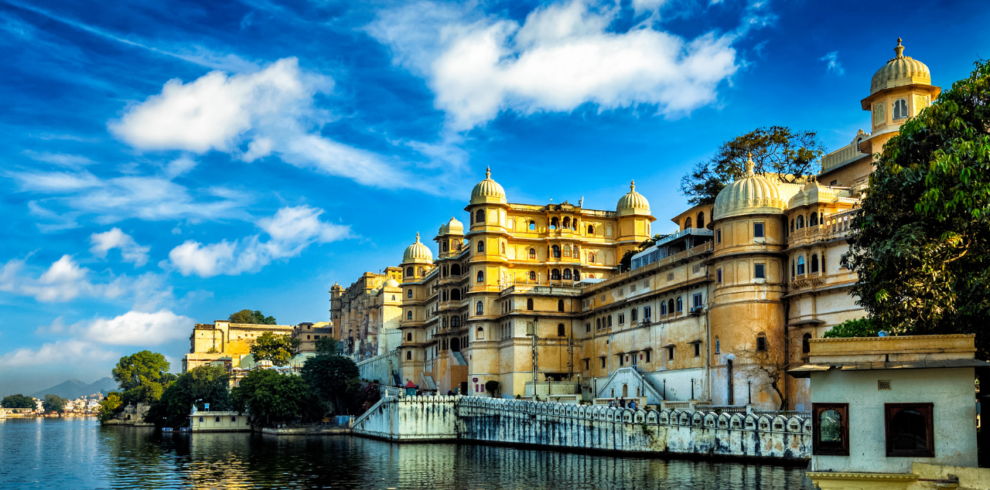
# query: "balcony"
[834,226]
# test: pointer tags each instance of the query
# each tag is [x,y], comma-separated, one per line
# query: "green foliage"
[491,386]
[328,378]
[110,405]
[625,263]
[17,401]
[776,149]
[861,327]
[54,403]
[327,346]
[273,398]
[142,377]
[201,385]
[921,245]
[276,348]
[253,317]
[363,396]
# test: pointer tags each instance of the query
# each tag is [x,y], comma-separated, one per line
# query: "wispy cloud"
[130,251]
[832,64]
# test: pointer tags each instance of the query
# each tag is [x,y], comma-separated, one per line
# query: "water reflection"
[78,453]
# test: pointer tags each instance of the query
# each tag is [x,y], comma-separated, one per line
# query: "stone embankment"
[588,428]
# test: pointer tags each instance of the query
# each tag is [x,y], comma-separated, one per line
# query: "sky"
[165,163]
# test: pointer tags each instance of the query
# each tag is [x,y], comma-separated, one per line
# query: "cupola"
[749,194]
[417,253]
[487,191]
[632,203]
[900,71]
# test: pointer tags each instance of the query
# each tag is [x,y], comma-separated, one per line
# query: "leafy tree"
[327,346]
[625,263]
[777,149]
[491,386]
[921,244]
[328,378]
[110,406]
[252,317]
[201,385]
[273,398]
[276,348]
[142,377]
[54,403]
[861,327]
[17,401]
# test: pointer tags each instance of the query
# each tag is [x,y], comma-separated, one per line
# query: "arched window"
[567,250]
[701,219]
[598,324]
[800,266]
[556,251]
[555,274]
[481,246]
[591,257]
[532,275]
[680,304]
[560,305]
[577,275]
[479,308]
[455,270]
[814,263]
[879,114]
[591,229]
[443,323]
[567,274]
[529,304]
[422,271]
[813,220]
[480,335]
[800,222]
[761,343]
[554,223]
[409,315]
[409,293]
[409,272]
[806,343]
[455,321]
[444,295]
[663,308]
[670,306]
[561,331]
[408,355]
[532,254]
[503,248]
[900,109]
[567,222]
[479,217]
[687,223]
[445,246]
[444,271]
[792,224]
[532,225]
[455,294]
[481,276]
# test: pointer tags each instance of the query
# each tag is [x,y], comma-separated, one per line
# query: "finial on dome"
[417,237]
[749,164]
[632,186]
[488,172]
[899,49]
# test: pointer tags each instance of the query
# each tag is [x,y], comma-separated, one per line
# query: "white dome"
[417,253]
[750,194]
[899,71]
[632,203]
[487,191]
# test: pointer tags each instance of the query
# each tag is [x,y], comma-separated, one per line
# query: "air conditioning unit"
[697,310]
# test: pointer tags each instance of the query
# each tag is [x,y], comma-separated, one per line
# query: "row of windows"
[908,429]
[555,223]
[798,267]
[759,272]
[669,307]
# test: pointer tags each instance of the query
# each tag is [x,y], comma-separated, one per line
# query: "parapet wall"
[596,428]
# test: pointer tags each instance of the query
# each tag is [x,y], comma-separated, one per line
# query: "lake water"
[78,453]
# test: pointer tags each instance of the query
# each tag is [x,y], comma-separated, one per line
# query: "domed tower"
[417,261]
[450,238]
[900,89]
[634,218]
[336,291]
[747,316]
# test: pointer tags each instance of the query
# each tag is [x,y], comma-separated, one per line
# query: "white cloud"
[64,280]
[290,231]
[130,251]
[832,64]
[562,56]
[138,328]
[63,352]
[62,159]
[251,116]
[179,166]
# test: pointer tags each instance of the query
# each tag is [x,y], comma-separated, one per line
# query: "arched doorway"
[455,344]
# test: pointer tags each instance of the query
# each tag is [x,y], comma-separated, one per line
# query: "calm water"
[78,453]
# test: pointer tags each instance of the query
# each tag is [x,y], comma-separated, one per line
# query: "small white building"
[893,412]
[219,422]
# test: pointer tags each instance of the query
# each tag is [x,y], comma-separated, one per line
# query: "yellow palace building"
[531,296]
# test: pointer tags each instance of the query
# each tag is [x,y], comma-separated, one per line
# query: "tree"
[625,263]
[142,377]
[273,398]
[491,386]
[777,149]
[54,403]
[276,348]
[252,317]
[199,386]
[110,406]
[327,346]
[17,401]
[921,244]
[770,359]
[861,327]
[328,378]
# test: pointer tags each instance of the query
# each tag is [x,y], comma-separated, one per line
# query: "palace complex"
[531,296]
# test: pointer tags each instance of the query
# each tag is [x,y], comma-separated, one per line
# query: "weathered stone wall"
[667,432]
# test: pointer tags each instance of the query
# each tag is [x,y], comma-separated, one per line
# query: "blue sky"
[165,163]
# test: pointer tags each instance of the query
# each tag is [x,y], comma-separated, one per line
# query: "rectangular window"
[610,321]
[201,420]
[587,364]
[587,327]
[909,430]
[697,350]
[758,230]
[633,315]
[622,318]
[670,353]
[680,305]
[603,363]
[761,343]
[647,312]
[759,271]
[217,420]
[648,355]
[830,422]
[233,419]
[697,300]
[718,236]
[718,276]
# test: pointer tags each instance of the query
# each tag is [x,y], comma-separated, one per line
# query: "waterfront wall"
[595,428]
[380,368]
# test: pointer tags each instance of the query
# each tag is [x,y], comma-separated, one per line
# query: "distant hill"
[74,388]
